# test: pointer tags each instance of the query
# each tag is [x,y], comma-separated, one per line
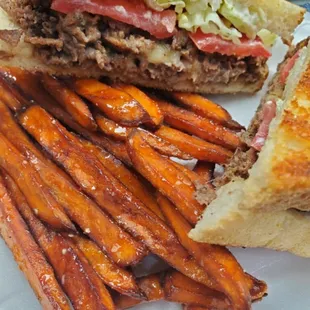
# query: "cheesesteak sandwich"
[266,187]
[206,46]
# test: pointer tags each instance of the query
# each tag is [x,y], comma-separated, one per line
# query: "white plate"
[288,276]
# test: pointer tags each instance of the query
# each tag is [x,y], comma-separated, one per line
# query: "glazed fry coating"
[126,176]
[115,277]
[118,105]
[207,108]
[201,127]
[194,146]
[156,116]
[38,195]
[70,101]
[28,255]
[78,206]
[152,288]
[68,263]
[164,176]
[217,261]
[181,289]
[112,129]
[109,193]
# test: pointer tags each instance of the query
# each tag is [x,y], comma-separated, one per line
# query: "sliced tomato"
[288,67]
[211,43]
[269,113]
[133,12]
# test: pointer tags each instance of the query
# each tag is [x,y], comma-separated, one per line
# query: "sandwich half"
[206,46]
[263,199]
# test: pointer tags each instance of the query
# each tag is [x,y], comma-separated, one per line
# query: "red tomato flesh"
[211,43]
[288,67]
[134,12]
[269,113]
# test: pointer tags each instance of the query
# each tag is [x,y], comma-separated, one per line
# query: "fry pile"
[88,189]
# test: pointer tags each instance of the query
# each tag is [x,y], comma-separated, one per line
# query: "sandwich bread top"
[282,171]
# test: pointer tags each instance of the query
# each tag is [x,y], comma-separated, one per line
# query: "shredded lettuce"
[209,22]
[226,18]
[248,20]
[268,38]
[180,5]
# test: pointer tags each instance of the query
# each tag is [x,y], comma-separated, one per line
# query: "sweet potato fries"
[89,177]
[29,255]
[66,260]
[128,211]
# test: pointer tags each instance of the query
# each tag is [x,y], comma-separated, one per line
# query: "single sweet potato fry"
[218,262]
[112,129]
[163,146]
[7,97]
[196,125]
[179,288]
[149,285]
[207,108]
[78,206]
[128,211]
[258,288]
[118,105]
[70,101]
[68,263]
[29,256]
[127,177]
[164,176]
[206,171]
[31,184]
[148,104]
[180,280]
[112,275]
[194,146]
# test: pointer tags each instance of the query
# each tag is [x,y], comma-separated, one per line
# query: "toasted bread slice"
[280,180]
[226,223]
[283,16]
[261,211]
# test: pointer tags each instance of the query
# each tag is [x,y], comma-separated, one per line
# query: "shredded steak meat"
[85,40]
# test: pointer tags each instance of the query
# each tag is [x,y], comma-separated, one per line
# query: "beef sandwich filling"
[100,44]
[256,135]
